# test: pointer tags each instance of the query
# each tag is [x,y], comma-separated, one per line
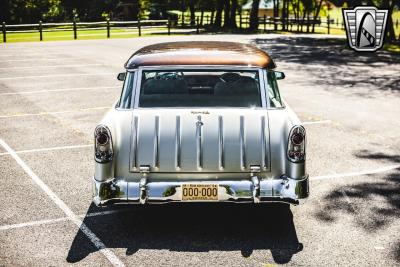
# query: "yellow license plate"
[199,192]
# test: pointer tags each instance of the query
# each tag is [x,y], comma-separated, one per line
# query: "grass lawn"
[84,34]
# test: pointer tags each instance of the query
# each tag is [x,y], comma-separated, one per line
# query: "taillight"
[103,149]
[296,150]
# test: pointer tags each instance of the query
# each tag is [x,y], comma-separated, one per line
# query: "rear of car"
[200,133]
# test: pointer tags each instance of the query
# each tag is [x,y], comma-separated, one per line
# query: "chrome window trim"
[267,94]
[201,67]
[129,76]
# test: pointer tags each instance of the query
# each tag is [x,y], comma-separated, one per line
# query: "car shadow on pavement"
[332,63]
[193,227]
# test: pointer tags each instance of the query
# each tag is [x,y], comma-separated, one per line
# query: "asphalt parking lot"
[53,94]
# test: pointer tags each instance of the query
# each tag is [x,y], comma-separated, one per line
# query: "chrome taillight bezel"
[296,153]
[104,152]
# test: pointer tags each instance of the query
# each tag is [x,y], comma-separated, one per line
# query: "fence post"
[169,27]
[108,28]
[329,25]
[4,32]
[183,19]
[40,31]
[74,26]
[197,26]
[240,20]
[139,27]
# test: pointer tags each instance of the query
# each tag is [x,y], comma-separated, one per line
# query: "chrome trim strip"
[205,67]
[242,144]
[263,145]
[134,146]
[156,142]
[178,143]
[221,163]
[199,143]
[262,87]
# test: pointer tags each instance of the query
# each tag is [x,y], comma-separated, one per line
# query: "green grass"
[83,34]
[392,48]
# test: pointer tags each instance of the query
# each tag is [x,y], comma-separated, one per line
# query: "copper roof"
[200,53]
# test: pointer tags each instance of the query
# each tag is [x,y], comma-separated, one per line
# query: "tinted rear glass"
[208,88]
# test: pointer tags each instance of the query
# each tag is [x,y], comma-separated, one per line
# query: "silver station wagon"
[200,121]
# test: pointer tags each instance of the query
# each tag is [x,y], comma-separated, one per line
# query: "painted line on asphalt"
[31,54]
[46,149]
[62,219]
[60,90]
[58,75]
[114,260]
[316,122]
[51,66]
[33,223]
[52,112]
[38,59]
[349,174]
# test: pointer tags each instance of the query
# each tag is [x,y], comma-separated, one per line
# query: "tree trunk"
[227,9]
[287,15]
[232,17]
[302,20]
[254,16]
[316,15]
[276,13]
[192,13]
[390,26]
[218,15]
[283,17]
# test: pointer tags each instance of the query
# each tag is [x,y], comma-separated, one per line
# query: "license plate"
[199,192]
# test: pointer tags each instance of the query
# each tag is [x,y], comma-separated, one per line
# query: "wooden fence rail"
[165,26]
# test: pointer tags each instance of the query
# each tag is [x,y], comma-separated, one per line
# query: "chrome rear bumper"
[285,189]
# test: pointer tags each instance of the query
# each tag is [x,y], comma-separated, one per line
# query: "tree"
[218,15]
[232,17]
[192,12]
[254,15]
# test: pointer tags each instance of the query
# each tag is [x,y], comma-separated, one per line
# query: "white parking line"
[316,122]
[50,221]
[114,260]
[51,112]
[51,66]
[38,59]
[58,75]
[33,223]
[31,54]
[46,149]
[61,90]
[341,175]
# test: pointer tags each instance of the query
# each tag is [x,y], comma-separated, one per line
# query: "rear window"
[199,88]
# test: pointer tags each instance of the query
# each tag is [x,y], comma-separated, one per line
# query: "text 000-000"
[199,192]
